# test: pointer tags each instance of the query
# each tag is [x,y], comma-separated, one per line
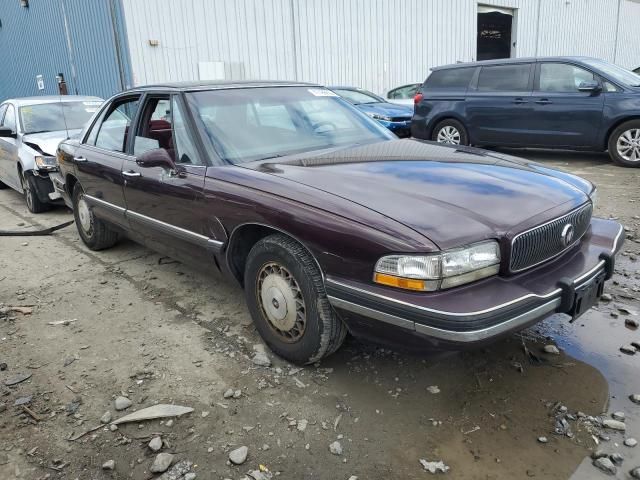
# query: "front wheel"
[624,144]
[95,233]
[287,301]
[450,132]
[30,193]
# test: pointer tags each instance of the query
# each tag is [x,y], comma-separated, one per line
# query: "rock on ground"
[434,467]
[161,463]
[335,448]
[155,444]
[605,465]
[631,442]
[261,359]
[614,424]
[552,349]
[106,418]
[179,471]
[122,403]
[635,473]
[635,398]
[618,416]
[109,465]
[239,455]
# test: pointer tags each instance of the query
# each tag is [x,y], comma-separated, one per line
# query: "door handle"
[79,159]
[131,173]
[519,101]
[543,101]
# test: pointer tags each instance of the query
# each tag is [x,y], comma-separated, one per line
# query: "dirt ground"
[151,329]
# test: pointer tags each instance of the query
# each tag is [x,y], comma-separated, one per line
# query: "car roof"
[504,61]
[221,84]
[21,102]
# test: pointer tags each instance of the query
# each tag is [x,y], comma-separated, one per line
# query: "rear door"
[165,203]
[100,157]
[562,115]
[498,105]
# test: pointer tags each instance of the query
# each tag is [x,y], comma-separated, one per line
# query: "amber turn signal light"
[406,283]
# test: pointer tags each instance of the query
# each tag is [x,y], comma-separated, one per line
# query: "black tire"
[450,123]
[318,331]
[3,186]
[616,151]
[30,194]
[98,235]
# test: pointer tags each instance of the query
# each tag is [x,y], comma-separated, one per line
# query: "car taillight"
[417,99]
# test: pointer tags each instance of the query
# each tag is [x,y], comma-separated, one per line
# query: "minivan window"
[505,78]
[617,73]
[450,78]
[562,77]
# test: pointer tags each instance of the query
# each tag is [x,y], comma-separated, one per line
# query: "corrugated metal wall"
[54,36]
[376,44]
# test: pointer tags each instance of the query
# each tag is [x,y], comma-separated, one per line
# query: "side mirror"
[7,133]
[158,157]
[591,86]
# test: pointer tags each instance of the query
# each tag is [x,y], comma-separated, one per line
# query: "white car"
[30,131]
[403,95]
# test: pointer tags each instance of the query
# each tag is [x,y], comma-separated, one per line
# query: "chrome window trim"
[108,152]
[104,204]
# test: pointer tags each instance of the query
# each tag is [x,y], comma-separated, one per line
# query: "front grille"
[545,241]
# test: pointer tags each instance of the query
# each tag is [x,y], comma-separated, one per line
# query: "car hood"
[387,109]
[453,196]
[47,142]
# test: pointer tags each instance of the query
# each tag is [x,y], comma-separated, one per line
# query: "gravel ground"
[129,323]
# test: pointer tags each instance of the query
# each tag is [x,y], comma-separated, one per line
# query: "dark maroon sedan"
[330,223]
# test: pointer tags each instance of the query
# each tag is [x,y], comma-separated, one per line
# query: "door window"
[114,129]
[155,127]
[562,77]
[405,92]
[9,120]
[185,150]
[505,78]
[450,78]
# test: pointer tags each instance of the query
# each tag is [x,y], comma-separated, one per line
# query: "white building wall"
[376,44]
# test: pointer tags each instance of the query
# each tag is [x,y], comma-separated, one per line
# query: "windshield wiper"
[38,131]
[277,155]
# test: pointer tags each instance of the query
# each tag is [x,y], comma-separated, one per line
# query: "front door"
[165,203]
[498,105]
[563,116]
[100,158]
[9,149]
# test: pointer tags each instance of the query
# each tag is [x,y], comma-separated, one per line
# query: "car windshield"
[358,97]
[52,117]
[259,123]
[616,73]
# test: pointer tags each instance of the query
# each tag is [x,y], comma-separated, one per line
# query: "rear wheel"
[450,132]
[95,233]
[624,144]
[30,193]
[286,297]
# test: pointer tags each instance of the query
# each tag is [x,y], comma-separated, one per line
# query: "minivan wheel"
[95,233]
[287,301]
[450,132]
[624,144]
[31,195]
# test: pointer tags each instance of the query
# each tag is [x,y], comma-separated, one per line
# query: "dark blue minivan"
[575,103]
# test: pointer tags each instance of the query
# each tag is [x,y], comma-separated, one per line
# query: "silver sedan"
[30,131]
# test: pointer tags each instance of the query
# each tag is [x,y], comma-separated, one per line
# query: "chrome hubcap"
[628,145]
[449,135]
[84,215]
[281,302]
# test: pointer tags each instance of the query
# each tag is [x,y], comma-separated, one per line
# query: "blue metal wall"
[83,39]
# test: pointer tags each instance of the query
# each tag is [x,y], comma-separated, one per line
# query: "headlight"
[440,270]
[46,162]
[377,116]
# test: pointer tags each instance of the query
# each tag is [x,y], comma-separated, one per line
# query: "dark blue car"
[575,103]
[396,118]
